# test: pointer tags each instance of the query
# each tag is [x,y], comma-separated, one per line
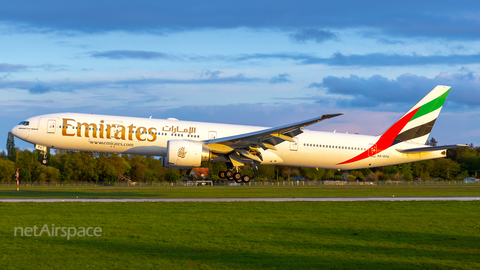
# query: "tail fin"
[416,124]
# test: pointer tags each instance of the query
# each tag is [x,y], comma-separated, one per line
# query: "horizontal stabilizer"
[430,148]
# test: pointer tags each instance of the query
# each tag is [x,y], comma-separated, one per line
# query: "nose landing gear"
[45,161]
[43,151]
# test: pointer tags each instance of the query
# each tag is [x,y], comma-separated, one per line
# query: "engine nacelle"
[185,154]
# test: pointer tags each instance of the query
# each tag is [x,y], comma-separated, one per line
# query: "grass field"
[246,235]
[240,192]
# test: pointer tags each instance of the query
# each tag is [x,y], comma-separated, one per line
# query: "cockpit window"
[24,123]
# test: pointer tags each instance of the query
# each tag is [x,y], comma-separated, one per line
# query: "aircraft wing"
[266,139]
[430,148]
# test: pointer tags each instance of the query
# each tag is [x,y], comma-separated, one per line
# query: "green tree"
[392,171]
[374,176]
[356,175]
[406,171]
[47,174]
[137,173]
[288,171]
[172,176]
[268,172]
[52,174]
[422,169]
[312,173]
[12,152]
[151,176]
[432,142]
[329,175]
[7,170]
[467,157]
[445,168]
[461,153]
[214,168]
[28,164]
[79,166]
[110,166]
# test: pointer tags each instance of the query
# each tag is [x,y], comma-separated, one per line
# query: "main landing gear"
[234,176]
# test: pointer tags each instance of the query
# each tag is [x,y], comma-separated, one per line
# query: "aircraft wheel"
[221,175]
[246,178]
[238,177]
[44,161]
[228,174]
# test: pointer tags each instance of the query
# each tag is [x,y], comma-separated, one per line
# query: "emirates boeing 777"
[185,144]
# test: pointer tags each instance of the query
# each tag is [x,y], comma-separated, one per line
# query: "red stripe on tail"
[386,140]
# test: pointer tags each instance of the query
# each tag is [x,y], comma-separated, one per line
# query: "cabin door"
[51,126]
[212,135]
[294,145]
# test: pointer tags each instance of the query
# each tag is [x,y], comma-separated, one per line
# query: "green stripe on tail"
[431,106]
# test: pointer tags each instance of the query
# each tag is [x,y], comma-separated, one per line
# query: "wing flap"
[271,136]
[283,137]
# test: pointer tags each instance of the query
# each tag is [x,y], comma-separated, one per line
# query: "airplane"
[185,144]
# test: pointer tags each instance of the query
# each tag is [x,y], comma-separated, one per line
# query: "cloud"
[71,86]
[213,79]
[39,89]
[387,41]
[312,34]
[337,59]
[132,54]
[409,18]
[12,68]
[280,78]
[367,60]
[25,85]
[210,74]
[16,68]
[378,91]
[382,59]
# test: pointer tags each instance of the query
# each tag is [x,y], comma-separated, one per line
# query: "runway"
[357,199]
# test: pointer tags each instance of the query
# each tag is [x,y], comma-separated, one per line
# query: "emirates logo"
[181,152]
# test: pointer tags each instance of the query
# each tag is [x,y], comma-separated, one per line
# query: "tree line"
[75,166]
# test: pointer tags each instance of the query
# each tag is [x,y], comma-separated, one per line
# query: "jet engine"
[185,154]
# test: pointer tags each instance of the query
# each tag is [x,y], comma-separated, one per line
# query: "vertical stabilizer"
[418,122]
[414,126]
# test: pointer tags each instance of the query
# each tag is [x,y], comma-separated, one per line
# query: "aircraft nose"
[14,131]
[20,133]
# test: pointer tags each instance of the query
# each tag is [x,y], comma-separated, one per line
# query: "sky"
[265,63]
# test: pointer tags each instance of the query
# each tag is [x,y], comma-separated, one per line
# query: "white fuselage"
[144,136]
